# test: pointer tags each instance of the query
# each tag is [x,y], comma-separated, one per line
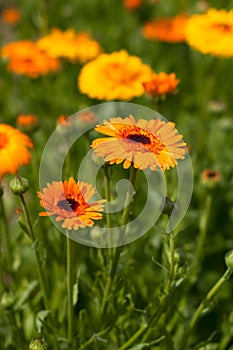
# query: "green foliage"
[159,280]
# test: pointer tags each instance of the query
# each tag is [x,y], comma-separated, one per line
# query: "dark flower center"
[139,138]
[225,27]
[68,204]
[212,174]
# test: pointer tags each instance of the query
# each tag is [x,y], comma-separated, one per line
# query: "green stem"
[108,197]
[37,254]
[134,337]
[69,261]
[205,302]
[167,290]
[124,220]
[5,244]
[198,255]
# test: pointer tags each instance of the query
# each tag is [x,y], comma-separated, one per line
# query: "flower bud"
[168,206]
[229,259]
[38,344]
[211,178]
[19,185]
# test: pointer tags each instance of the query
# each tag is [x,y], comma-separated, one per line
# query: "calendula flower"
[132,4]
[211,32]
[114,76]
[27,122]
[210,176]
[14,151]
[27,59]
[143,144]
[69,201]
[161,84]
[168,29]
[68,44]
[10,15]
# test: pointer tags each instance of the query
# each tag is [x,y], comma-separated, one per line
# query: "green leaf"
[25,295]
[24,228]
[40,319]
[141,346]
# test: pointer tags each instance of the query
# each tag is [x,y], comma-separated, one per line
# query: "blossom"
[114,76]
[26,58]
[13,149]
[210,176]
[211,32]
[10,15]
[68,44]
[168,29]
[69,201]
[161,84]
[132,4]
[143,144]
[27,122]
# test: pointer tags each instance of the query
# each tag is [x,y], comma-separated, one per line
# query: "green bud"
[19,185]
[7,300]
[229,259]
[168,206]
[38,344]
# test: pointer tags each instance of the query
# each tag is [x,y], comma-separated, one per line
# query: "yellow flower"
[26,58]
[211,32]
[114,76]
[68,44]
[143,144]
[13,149]
[168,29]
[68,201]
[161,84]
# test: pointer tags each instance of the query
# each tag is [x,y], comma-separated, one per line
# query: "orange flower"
[10,15]
[27,122]
[161,84]
[145,144]
[68,44]
[132,4]
[210,176]
[68,201]
[13,149]
[26,58]
[166,29]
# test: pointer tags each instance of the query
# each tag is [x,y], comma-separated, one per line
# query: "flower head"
[144,144]
[26,58]
[13,149]
[211,178]
[69,201]
[114,76]
[211,32]
[132,4]
[68,44]
[10,15]
[161,84]
[27,122]
[168,29]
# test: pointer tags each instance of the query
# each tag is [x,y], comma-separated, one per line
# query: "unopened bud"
[168,206]
[229,259]
[38,344]
[19,185]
